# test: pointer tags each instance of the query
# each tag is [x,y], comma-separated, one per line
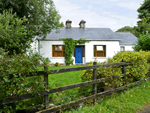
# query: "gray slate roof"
[92,34]
[126,38]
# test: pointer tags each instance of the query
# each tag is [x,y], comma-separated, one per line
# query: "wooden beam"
[87,67]
[72,69]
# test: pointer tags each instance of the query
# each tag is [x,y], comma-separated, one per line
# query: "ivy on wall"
[69,48]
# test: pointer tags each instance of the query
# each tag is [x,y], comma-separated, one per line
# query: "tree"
[13,33]
[125,29]
[134,30]
[144,11]
[144,26]
[143,43]
[144,16]
[41,14]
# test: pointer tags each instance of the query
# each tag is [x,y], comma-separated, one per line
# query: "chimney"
[82,24]
[68,24]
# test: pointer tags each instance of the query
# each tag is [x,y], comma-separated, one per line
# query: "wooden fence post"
[46,87]
[123,72]
[94,78]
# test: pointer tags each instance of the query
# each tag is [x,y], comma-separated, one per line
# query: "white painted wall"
[128,47]
[112,47]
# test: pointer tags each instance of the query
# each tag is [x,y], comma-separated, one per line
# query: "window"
[122,48]
[99,51]
[58,51]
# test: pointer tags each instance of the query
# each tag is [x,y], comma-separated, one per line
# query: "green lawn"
[130,101]
[64,79]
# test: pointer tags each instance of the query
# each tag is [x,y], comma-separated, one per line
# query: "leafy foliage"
[17,64]
[144,10]
[144,26]
[13,34]
[134,30]
[125,29]
[144,16]
[41,14]
[18,27]
[136,71]
[143,43]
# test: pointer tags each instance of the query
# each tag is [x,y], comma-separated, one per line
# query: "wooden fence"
[94,82]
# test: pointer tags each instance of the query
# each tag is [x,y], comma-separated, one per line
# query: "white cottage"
[103,43]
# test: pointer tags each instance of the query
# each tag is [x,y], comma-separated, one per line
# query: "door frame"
[83,52]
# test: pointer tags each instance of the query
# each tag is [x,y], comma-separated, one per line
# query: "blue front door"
[78,55]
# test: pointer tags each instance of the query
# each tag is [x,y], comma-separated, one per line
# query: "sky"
[113,14]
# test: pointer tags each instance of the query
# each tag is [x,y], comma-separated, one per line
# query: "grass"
[129,101]
[64,79]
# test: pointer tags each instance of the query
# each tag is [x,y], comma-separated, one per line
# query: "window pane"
[58,47]
[122,48]
[57,51]
[99,47]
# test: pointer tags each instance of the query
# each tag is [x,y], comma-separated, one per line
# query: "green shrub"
[136,71]
[18,64]
[56,63]
[143,43]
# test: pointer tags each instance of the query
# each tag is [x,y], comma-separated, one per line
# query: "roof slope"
[126,38]
[91,34]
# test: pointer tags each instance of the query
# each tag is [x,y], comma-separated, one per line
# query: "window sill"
[99,57]
[56,57]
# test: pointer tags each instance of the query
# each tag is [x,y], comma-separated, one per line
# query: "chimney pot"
[82,24]
[68,24]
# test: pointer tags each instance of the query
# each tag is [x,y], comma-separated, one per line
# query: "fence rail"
[30,74]
[92,97]
[94,81]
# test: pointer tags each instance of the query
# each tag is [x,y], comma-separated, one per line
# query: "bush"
[17,64]
[56,63]
[136,71]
